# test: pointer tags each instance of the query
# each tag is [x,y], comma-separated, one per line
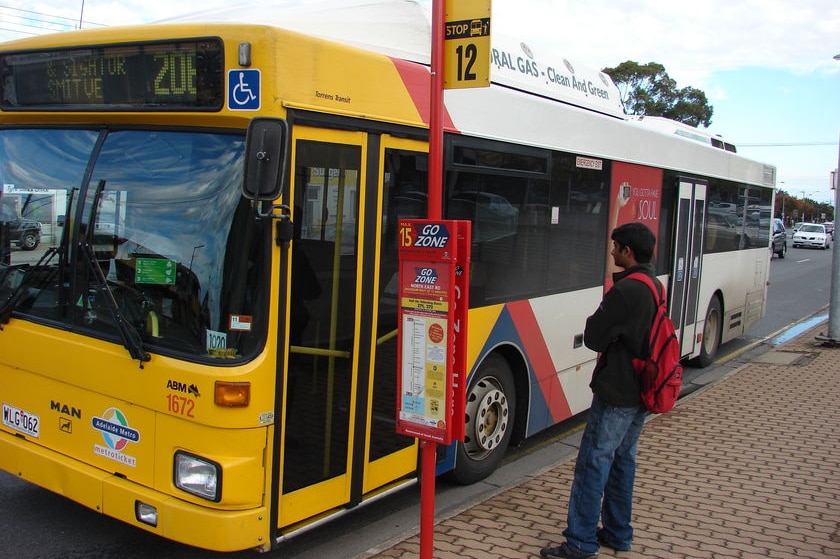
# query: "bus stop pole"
[427,498]
[428,449]
[435,195]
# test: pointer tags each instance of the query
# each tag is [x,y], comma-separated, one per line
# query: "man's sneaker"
[566,551]
[602,539]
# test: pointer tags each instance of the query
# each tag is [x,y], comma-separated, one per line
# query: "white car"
[812,235]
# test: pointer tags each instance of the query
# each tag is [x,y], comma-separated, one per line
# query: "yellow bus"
[203,342]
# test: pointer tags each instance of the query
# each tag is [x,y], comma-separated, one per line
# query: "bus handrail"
[318,351]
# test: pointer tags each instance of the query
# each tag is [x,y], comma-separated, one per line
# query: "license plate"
[21,421]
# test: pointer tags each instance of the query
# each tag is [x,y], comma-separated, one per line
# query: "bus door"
[337,430]
[402,190]
[688,258]
[321,377]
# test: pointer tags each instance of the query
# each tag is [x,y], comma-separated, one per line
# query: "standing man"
[606,463]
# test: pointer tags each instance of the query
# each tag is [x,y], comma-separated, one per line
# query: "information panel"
[432,328]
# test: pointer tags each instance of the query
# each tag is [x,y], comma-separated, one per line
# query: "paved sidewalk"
[748,467]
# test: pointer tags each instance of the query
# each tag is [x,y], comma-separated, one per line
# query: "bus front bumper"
[177,520]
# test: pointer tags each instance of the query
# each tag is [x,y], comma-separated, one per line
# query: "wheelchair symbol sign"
[243,90]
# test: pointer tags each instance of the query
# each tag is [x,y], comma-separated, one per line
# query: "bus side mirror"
[265,158]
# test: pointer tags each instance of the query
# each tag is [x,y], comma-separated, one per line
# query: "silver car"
[812,235]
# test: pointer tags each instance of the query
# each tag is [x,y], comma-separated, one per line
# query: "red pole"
[427,498]
[428,449]
[436,112]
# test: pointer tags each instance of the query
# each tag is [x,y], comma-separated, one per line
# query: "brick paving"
[748,467]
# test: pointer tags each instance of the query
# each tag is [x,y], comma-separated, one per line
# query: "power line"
[30,22]
[39,14]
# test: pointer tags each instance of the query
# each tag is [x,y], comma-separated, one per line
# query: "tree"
[648,90]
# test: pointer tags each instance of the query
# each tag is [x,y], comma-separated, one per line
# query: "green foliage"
[646,89]
[801,208]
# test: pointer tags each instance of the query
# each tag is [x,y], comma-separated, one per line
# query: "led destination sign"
[182,75]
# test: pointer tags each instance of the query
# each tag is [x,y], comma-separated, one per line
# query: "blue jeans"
[604,476]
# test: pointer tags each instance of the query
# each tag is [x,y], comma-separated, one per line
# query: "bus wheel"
[490,409]
[712,328]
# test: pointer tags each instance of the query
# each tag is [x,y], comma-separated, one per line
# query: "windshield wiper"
[130,336]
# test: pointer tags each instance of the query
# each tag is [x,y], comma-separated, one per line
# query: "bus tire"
[490,412]
[712,328]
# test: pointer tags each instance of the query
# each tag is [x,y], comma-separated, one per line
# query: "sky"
[766,66]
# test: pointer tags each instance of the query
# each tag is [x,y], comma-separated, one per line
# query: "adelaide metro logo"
[116,433]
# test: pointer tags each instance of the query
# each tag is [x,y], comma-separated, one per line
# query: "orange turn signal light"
[232,394]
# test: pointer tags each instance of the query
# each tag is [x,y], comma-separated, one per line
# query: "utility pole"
[833,337]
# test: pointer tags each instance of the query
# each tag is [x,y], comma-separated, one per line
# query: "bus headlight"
[198,476]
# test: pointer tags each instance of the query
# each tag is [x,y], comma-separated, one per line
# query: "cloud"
[691,39]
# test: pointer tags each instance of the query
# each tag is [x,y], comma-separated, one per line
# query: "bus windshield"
[144,228]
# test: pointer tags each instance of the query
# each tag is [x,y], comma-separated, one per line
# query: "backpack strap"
[658,295]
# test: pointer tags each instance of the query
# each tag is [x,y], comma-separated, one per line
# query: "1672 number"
[180,405]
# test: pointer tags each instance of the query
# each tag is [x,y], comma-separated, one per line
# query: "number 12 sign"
[467,44]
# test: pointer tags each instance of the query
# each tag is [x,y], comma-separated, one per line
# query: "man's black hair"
[638,237]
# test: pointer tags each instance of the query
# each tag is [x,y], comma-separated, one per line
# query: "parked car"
[25,232]
[812,235]
[779,241]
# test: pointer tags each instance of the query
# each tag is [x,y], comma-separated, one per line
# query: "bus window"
[504,192]
[579,198]
[404,196]
[139,237]
[170,267]
[738,217]
[52,163]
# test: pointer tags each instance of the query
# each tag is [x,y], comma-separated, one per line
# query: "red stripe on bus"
[418,84]
[537,351]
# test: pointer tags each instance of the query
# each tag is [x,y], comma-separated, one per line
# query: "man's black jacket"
[619,330]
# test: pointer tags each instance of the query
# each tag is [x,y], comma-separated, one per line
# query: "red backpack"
[660,371]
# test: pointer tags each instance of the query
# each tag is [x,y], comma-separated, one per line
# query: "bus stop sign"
[433,287]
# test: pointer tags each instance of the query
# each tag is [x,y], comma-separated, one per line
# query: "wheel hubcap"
[710,332]
[487,418]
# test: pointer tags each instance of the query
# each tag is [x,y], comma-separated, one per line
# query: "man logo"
[64,409]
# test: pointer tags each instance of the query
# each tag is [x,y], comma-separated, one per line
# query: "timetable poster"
[424,303]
